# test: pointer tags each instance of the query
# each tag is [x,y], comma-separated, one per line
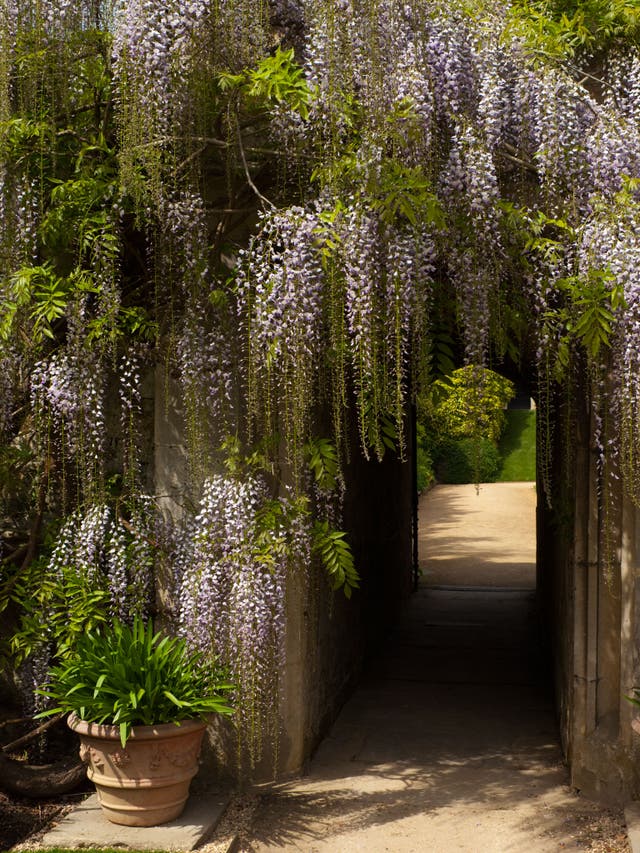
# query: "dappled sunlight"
[509,795]
[450,742]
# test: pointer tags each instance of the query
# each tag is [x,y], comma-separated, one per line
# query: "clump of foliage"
[424,459]
[125,676]
[561,28]
[462,419]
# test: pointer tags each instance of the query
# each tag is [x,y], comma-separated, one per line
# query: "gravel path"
[483,537]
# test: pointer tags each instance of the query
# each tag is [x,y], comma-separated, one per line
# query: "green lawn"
[518,447]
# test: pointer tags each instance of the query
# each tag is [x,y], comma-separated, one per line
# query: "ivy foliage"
[74,603]
[336,557]
[277,79]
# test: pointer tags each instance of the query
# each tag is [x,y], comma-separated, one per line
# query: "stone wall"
[590,588]
[328,636]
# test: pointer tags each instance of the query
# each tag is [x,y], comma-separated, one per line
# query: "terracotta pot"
[146,782]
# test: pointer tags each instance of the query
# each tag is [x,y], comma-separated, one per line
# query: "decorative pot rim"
[137,733]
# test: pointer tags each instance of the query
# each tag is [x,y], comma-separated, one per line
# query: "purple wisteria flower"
[232,592]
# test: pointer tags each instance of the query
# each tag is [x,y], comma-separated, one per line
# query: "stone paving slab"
[86,827]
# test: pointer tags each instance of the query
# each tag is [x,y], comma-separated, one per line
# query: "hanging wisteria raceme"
[410,260]
[232,593]
[454,65]
[182,248]
[67,390]
[205,353]
[501,111]
[363,305]
[613,152]
[561,116]
[19,219]
[9,365]
[105,552]
[205,341]
[140,552]
[280,300]
[622,93]
[469,189]
[609,257]
[19,204]
[130,391]
[144,65]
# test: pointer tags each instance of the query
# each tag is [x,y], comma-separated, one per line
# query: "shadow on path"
[448,744]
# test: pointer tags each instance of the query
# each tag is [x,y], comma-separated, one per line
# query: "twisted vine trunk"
[38,782]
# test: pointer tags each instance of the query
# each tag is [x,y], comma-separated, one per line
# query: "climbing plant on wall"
[286,207]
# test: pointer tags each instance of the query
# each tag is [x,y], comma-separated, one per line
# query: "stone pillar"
[601,749]
[630,637]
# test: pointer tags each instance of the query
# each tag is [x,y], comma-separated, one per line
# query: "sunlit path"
[482,536]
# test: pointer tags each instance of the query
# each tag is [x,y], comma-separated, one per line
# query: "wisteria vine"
[276,207]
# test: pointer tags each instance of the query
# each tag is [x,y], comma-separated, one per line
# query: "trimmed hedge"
[468,460]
